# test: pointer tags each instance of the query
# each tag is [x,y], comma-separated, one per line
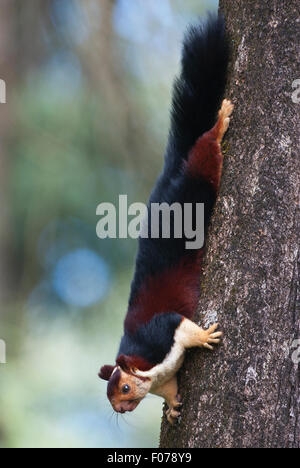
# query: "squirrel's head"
[125,389]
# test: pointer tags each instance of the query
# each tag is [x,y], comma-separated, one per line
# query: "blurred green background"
[86,119]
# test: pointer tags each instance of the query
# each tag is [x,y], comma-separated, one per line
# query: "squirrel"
[165,290]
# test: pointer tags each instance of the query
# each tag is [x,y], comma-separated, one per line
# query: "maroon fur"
[105,372]
[127,363]
[177,289]
[205,158]
[113,383]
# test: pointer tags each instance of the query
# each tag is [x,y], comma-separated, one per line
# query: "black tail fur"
[199,89]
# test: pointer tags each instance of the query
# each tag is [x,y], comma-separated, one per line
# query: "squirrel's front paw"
[210,336]
[173,413]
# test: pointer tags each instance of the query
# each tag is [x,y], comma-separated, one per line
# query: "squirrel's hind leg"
[169,391]
[205,160]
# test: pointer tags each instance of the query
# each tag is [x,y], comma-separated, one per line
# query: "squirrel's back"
[196,99]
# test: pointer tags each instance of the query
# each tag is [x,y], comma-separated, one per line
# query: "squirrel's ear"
[131,364]
[105,372]
[125,362]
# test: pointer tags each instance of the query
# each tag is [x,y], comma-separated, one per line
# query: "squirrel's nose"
[119,409]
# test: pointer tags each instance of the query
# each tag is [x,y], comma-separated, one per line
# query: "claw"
[213,340]
[178,407]
[172,416]
[206,345]
[212,328]
[216,335]
[173,413]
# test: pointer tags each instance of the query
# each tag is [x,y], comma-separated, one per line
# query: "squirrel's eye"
[126,389]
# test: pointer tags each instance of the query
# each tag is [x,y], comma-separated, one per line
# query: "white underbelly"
[164,371]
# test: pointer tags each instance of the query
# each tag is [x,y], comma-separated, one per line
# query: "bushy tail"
[199,89]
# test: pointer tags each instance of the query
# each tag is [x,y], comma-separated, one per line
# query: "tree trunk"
[246,394]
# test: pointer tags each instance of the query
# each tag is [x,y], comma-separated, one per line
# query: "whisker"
[118,423]
[111,416]
[128,424]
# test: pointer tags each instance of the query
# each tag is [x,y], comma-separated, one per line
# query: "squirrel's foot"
[224,118]
[173,413]
[210,336]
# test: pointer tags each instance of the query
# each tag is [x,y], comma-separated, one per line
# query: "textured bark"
[246,393]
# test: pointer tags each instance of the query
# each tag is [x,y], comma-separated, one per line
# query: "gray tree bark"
[246,394]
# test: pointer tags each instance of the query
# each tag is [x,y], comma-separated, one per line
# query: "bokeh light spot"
[81,278]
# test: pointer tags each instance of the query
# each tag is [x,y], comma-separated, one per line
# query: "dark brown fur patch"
[113,383]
